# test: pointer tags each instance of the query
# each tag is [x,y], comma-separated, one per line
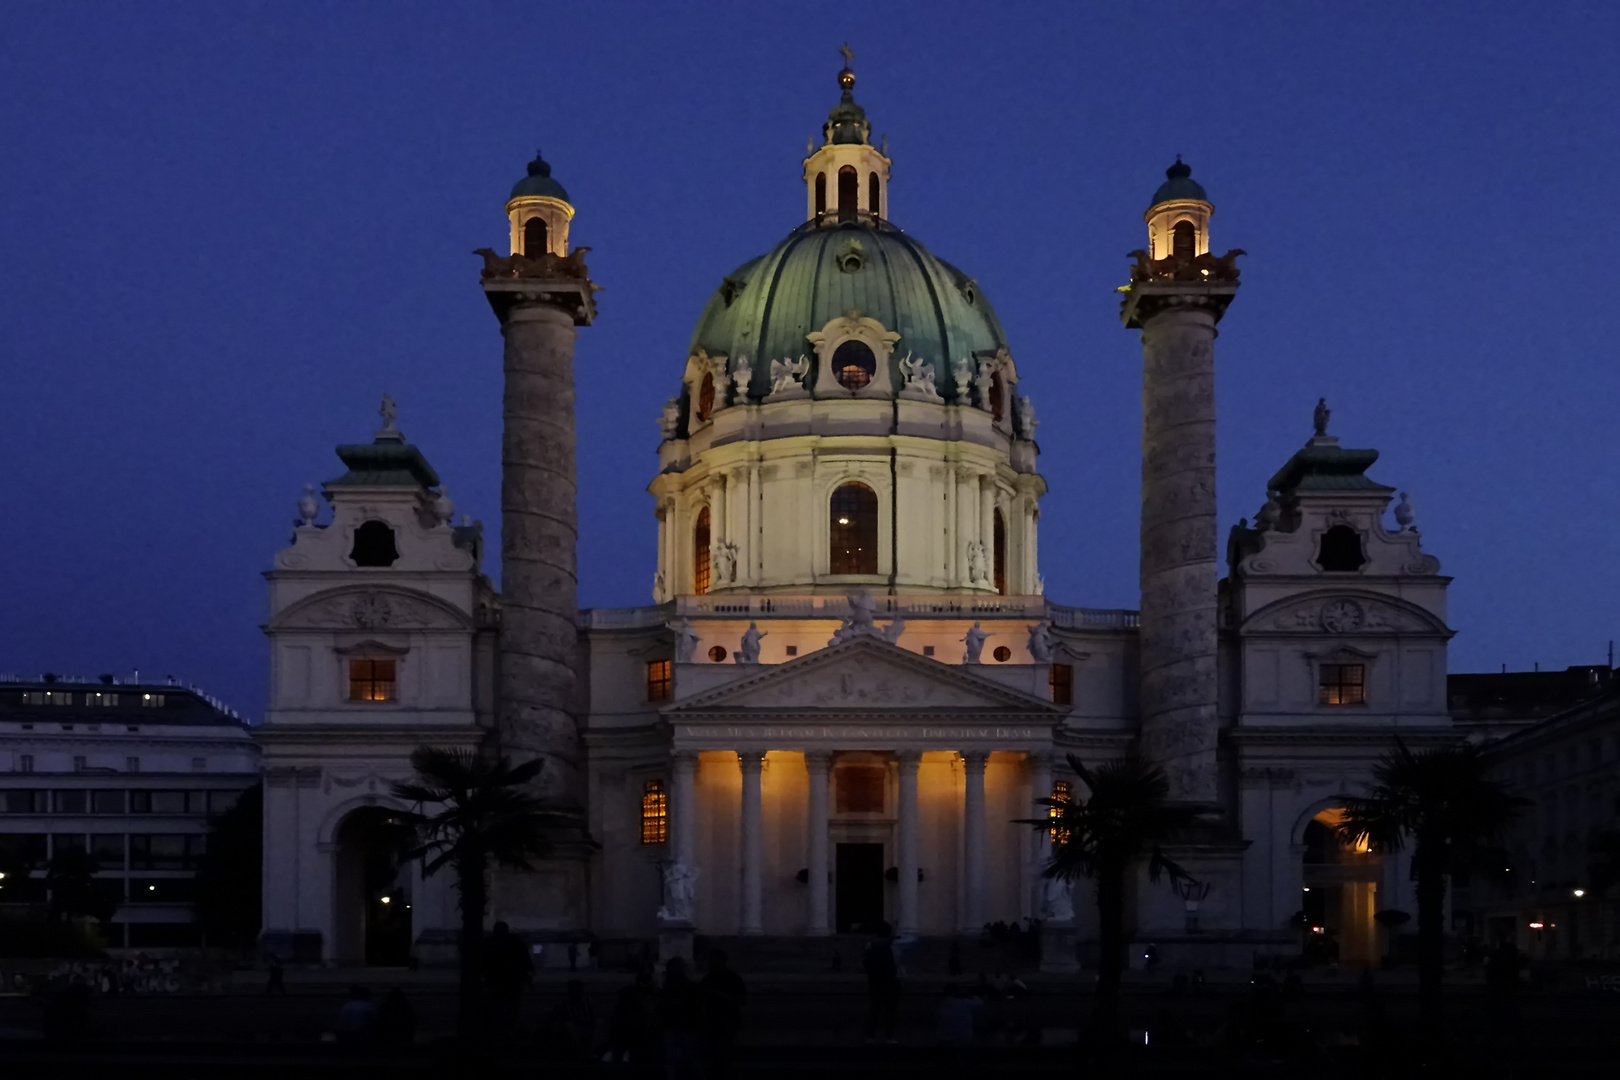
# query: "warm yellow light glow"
[1579,893]
[843,521]
[385,899]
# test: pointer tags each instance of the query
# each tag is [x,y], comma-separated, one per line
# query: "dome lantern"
[1178,219]
[540,212]
[847,178]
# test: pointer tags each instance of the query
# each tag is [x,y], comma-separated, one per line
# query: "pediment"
[370,607]
[866,676]
[1338,611]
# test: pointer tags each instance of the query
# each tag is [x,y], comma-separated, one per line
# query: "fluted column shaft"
[906,859]
[539,639]
[819,765]
[1178,571]
[753,766]
[973,842]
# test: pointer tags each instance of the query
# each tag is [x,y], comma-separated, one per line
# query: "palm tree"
[1454,816]
[487,810]
[1127,817]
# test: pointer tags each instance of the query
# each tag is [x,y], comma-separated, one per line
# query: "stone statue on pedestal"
[975,640]
[1057,897]
[748,650]
[686,639]
[680,882]
[1040,642]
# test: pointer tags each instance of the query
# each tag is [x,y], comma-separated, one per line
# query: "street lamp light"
[1192,892]
[1579,893]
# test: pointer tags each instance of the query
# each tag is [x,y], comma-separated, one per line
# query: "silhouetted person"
[680,1010]
[396,1019]
[508,972]
[723,995]
[276,983]
[633,1028]
[882,985]
[357,1016]
[571,1027]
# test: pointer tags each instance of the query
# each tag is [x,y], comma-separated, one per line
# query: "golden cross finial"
[847,53]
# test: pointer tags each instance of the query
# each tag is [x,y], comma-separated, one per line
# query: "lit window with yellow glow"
[1061,791]
[700,553]
[1341,684]
[371,680]
[658,680]
[654,813]
[852,530]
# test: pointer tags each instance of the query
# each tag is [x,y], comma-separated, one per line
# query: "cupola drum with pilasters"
[849,415]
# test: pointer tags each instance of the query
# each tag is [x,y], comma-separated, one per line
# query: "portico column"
[973,841]
[907,841]
[1039,768]
[753,764]
[819,763]
[683,815]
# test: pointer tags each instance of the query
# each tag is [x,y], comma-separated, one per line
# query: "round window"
[1002,654]
[854,365]
[718,653]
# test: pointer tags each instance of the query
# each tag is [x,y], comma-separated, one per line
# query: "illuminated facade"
[849,682]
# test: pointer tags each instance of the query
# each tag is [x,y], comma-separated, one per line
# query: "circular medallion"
[1341,616]
[370,612]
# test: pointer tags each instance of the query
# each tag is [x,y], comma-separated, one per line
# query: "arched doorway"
[1340,895]
[372,902]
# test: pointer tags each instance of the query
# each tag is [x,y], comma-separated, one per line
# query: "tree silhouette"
[1454,816]
[470,809]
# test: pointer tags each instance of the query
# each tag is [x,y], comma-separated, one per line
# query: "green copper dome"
[765,308]
[538,182]
[1178,184]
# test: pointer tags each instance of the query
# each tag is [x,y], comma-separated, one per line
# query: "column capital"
[909,757]
[818,761]
[686,760]
[751,760]
[975,759]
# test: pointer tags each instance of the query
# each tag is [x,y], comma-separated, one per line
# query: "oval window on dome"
[854,365]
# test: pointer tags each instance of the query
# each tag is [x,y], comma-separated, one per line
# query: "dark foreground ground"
[809,1026]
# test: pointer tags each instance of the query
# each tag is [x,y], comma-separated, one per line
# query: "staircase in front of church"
[930,956]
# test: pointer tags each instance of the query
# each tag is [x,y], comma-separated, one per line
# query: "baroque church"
[849,684]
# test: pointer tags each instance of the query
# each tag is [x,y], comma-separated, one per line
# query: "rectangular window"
[101,698]
[792,650]
[199,764]
[165,852]
[23,850]
[108,849]
[25,762]
[106,802]
[157,802]
[654,812]
[69,802]
[132,764]
[22,802]
[80,762]
[658,680]
[1062,683]
[1061,791]
[58,697]
[33,697]
[221,801]
[860,789]
[371,680]
[1342,684]
[162,890]
[152,701]
[63,842]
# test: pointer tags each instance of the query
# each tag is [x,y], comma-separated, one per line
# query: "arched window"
[874,194]
[536,240]
[998,397]
[374,545]
[1062,792]
[998,532]
[1184,240]
[854,365]
[849,193]
[853,530]
[654,813]
[1340,550]
[821,193]
[705,401]
[700,553]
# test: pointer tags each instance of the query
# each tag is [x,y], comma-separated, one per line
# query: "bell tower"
[539,211]
[1177,294]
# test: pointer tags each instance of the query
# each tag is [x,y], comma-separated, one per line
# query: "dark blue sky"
[226,229]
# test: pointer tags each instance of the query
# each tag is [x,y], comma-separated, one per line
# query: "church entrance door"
[373,897]
[858,877]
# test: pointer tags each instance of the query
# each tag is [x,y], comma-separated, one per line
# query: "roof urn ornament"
[443,508]
[1404,514]
[308,506]
[1320,417]
[389,413]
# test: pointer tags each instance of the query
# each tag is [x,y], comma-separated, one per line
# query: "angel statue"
[919,376]
[680,882]
[788,374]
[686,639]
